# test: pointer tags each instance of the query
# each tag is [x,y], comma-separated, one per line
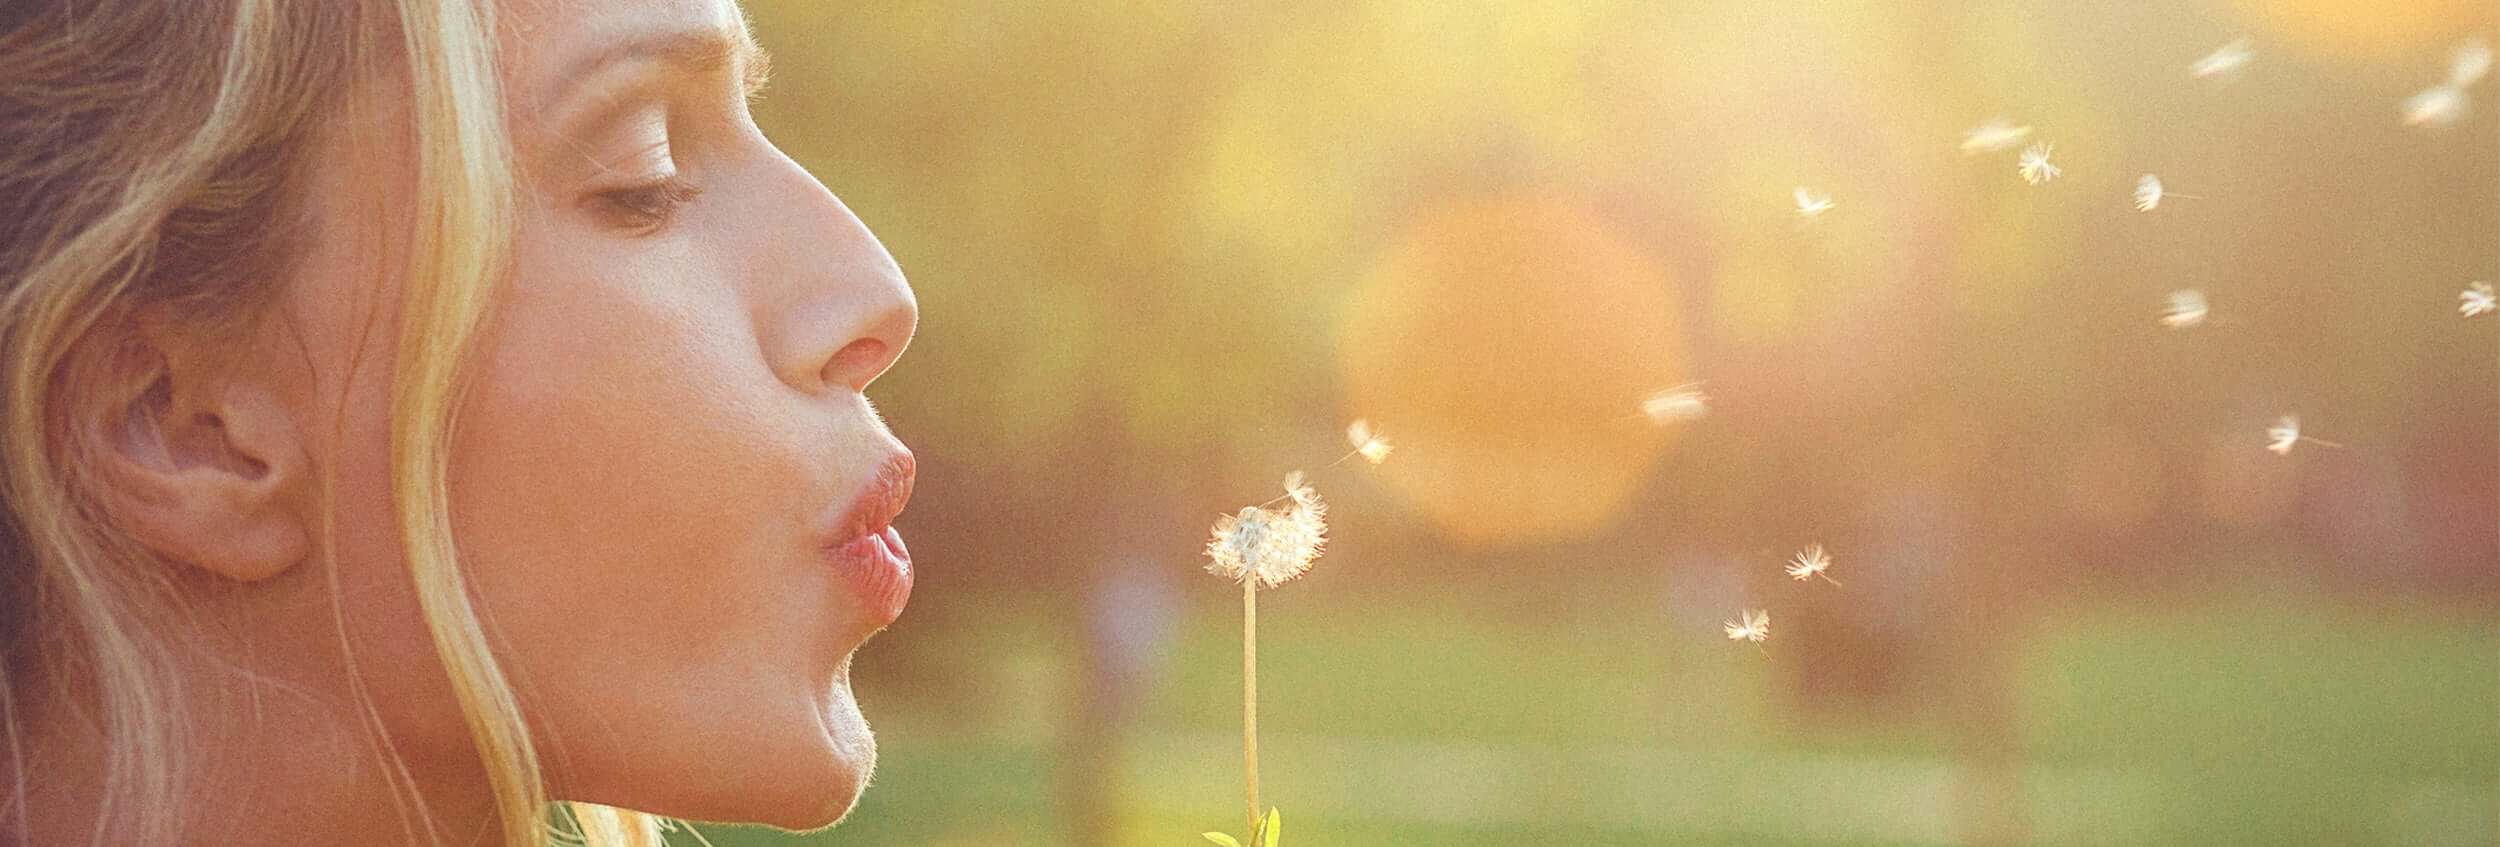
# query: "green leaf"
[1221,838]
[1269,828]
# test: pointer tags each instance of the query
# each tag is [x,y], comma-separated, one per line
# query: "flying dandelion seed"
[2225,62]
[2442,105]
[1996,135]
[1810,563]
[2149,193]
[2283,434]
[2286,432]
[1681,403]
[2468,65]
[1271,545]
[2035,166]
[1810,205]
[1372,446]
[1755,628]
[2476,299]
[2436,107]
[2187,309]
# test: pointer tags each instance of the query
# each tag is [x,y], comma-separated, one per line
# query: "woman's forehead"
[549,43]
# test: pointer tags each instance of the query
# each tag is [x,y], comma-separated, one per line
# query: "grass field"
[2258,720]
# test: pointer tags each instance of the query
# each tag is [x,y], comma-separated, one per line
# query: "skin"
[668,421]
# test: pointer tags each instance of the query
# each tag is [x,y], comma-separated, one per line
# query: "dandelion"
[2286,432]
[1810,205]
[2468,65]
[1372,446]
[2149,193]
[2035,166]
[1262,547]
[2187,309]
[1756,626]
[2476,299]
[1996,135]
[2224,62]
[1810,563]
[2436,107]
[1680,403]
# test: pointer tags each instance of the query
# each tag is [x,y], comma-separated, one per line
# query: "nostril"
[858,363]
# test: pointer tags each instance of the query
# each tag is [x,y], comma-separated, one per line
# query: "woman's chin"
[851,750]
[839,793]
[816,811]
[806,798]
[801,769]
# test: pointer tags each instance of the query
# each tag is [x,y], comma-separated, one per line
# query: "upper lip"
[880,499]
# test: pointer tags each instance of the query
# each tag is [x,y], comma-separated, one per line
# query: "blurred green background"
[1165,252]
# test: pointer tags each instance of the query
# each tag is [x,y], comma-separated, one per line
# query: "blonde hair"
[149,156]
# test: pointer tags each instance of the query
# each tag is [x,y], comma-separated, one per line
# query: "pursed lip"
[867,552]
[879,501]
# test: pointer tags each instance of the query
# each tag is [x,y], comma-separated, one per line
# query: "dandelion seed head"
[1810,205]
[1681,403]
[1271,545]
[2187,309]
[1239,538]
[1372,445]
[1997,134]
[2283,434]
[2034,166]
[2224,62]
[1755,626]
[2476,299]
[2436,107]
[1810,563]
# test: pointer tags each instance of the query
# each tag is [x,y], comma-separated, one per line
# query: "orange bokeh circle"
[1505,344]
[2362,30]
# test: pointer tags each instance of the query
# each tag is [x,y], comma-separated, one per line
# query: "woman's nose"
[843,312]
[874,349]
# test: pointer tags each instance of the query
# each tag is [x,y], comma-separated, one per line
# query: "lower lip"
[878,569]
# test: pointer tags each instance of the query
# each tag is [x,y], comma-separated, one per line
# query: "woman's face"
[666,448]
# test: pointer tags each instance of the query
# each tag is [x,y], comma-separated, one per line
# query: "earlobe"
[206,474]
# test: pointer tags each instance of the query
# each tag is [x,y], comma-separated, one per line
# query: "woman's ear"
[199,460]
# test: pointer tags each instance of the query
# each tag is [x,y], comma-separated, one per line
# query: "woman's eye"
[647,206]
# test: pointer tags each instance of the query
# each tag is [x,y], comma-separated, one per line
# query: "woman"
[418,411]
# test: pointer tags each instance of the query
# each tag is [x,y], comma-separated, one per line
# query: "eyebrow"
[696,50]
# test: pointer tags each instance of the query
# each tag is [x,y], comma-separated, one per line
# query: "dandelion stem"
[1250,695]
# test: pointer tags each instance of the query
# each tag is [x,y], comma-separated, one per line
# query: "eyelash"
[651,205]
